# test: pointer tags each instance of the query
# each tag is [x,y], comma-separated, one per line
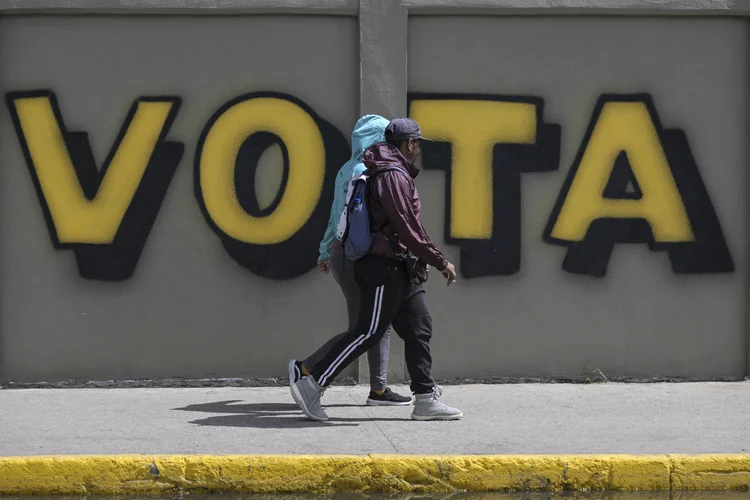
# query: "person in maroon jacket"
[388,295]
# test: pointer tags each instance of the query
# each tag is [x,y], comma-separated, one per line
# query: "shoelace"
[437,391]
[319,396]
[435,395]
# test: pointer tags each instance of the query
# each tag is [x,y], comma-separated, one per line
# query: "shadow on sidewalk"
[270,415]
[229,407]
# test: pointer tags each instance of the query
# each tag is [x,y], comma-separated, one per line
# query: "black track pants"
[386,297]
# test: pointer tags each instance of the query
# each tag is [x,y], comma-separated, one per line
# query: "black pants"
[387,298]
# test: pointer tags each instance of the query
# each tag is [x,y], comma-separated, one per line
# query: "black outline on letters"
[501,254]
[298,254]
[707,254]
[116,261]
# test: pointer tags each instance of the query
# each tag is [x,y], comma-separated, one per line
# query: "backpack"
[357,236]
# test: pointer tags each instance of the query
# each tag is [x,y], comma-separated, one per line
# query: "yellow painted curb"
[144,474]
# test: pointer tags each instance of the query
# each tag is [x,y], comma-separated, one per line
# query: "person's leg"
[382,287]
[377,356]
[343,273]
[413,323]
[380,393]
[382,284]
[342,270]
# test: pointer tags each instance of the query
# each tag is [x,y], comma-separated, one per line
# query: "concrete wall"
[155,270]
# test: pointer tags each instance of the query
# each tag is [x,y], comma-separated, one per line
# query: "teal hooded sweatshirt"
[369,130]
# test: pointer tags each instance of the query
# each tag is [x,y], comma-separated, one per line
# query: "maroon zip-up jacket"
[393,203]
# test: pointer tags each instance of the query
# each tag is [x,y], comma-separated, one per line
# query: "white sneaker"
[307,394]
[429,407]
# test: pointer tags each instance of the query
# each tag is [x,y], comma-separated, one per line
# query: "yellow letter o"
[306,153]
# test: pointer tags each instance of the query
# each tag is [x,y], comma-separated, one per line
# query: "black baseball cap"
[403,129]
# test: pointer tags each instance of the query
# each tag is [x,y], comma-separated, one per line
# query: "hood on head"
[383,155]
[369,130]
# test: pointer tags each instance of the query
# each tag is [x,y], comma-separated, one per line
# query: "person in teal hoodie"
[369,130]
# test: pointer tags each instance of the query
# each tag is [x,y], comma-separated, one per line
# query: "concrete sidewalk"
[685,418]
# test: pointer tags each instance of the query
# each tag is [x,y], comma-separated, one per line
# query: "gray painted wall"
[191,311]
[641,319]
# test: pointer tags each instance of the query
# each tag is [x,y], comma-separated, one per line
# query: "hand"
[449,273]
[325,266]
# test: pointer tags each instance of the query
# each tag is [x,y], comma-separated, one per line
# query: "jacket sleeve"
[327,242]
[396,200]
[333,219]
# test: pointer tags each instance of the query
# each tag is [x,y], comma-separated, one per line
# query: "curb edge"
[161,474]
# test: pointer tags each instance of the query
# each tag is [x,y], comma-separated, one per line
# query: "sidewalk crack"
[376,424]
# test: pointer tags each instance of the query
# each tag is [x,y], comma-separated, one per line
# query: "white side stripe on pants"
[374,322]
